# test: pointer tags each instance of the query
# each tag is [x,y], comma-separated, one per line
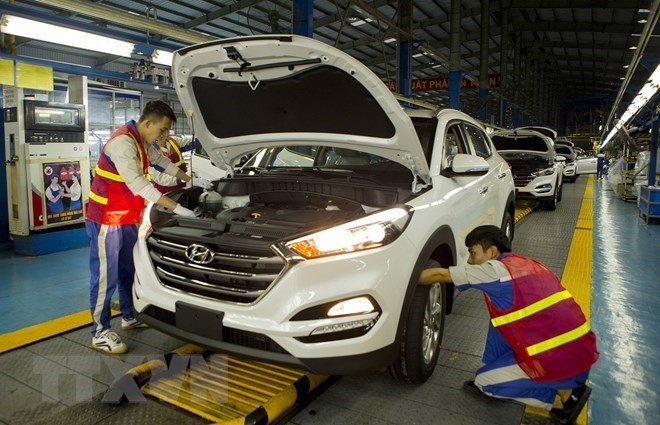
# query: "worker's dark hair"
[155,110]
[488,236]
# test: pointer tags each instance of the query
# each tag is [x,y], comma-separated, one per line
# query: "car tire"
[552,204]
[508,226]
[561,190]
[422,335]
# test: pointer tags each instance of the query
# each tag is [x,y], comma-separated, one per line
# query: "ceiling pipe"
[112,14]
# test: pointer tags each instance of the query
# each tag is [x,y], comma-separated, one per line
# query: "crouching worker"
[539,342]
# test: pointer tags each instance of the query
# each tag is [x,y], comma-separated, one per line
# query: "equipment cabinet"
[649,203]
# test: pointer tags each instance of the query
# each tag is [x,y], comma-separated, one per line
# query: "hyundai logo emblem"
[199,254]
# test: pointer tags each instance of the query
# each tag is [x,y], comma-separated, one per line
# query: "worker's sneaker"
[132,323]
[471,387]
[572,406]
[109,342]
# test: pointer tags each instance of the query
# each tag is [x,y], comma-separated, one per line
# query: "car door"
[489,188]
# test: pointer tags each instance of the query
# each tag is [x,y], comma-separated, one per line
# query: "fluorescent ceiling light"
[643,97]
[632,48]
[390,40]
[162,57]
[416,55]
[642,21]
[644,10]
[359,22]
[59,35]
[436,66]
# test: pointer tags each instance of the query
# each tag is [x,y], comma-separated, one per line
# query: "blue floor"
[625,302]
[37,289]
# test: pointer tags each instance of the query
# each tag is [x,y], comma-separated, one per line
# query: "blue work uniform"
[501,376]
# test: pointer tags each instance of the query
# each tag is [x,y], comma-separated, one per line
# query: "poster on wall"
[62,191]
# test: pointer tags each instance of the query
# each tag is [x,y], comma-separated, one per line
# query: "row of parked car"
[312,255]
[541,161]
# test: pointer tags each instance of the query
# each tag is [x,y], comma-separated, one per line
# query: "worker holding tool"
[539,342]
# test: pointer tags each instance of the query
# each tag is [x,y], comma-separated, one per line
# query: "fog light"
[338,327]
[352,306]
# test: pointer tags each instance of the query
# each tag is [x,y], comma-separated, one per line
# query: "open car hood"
[525,141]
[247,93]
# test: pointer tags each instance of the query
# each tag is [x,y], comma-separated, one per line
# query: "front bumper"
[264,329]
[541,188]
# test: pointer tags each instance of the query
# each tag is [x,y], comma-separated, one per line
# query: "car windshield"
[519,143]
[319,158]
[564,150]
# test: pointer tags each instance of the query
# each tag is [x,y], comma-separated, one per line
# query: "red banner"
[442,83]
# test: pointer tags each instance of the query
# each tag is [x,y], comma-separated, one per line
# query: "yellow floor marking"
[30,334]
[577,276]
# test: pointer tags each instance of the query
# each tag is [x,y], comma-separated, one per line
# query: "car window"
[425,128]
[454,144]
[479,141]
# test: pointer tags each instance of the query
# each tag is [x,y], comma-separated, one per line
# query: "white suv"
[312,257]
[537,169]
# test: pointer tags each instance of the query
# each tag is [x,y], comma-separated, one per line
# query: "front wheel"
[422,336]
[508,226]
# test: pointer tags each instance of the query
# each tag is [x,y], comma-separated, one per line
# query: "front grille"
[229,335]
[230,276]
[522,180]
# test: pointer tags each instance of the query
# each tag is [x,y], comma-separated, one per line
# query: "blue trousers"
[111,266]
[503,378]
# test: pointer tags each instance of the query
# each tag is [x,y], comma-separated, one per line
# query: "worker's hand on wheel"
[200,182]
[183,211]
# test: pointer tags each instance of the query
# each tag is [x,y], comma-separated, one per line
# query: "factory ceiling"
[544,54]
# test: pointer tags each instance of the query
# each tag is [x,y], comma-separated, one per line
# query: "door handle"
[483,190]
[501,176]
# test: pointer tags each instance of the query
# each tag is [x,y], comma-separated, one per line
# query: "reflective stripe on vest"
[116,177]
[108,174]
[98,198]
[178,152]
[531,309]
[562,339]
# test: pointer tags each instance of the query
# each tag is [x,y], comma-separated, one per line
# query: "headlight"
[546,172]
[372,231]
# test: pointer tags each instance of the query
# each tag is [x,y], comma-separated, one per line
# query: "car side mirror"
[468,165]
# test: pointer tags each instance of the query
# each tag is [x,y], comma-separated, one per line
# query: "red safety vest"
[176,157]
[110,200]
[545,327]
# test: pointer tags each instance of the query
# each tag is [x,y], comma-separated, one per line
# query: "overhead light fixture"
[356,22]
[642,21]
[389,40]
[162,57]
[626,66]
[36,30]
[644,10]
[416,55]
[647,92]
[632,48]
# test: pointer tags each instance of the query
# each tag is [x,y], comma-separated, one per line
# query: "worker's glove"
[183,211]
[201,182]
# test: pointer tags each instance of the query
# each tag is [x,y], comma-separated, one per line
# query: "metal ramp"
[219,388]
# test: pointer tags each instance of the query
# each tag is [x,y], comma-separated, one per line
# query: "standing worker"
[172,147]
[539,342]
[600,171]
[116,204]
